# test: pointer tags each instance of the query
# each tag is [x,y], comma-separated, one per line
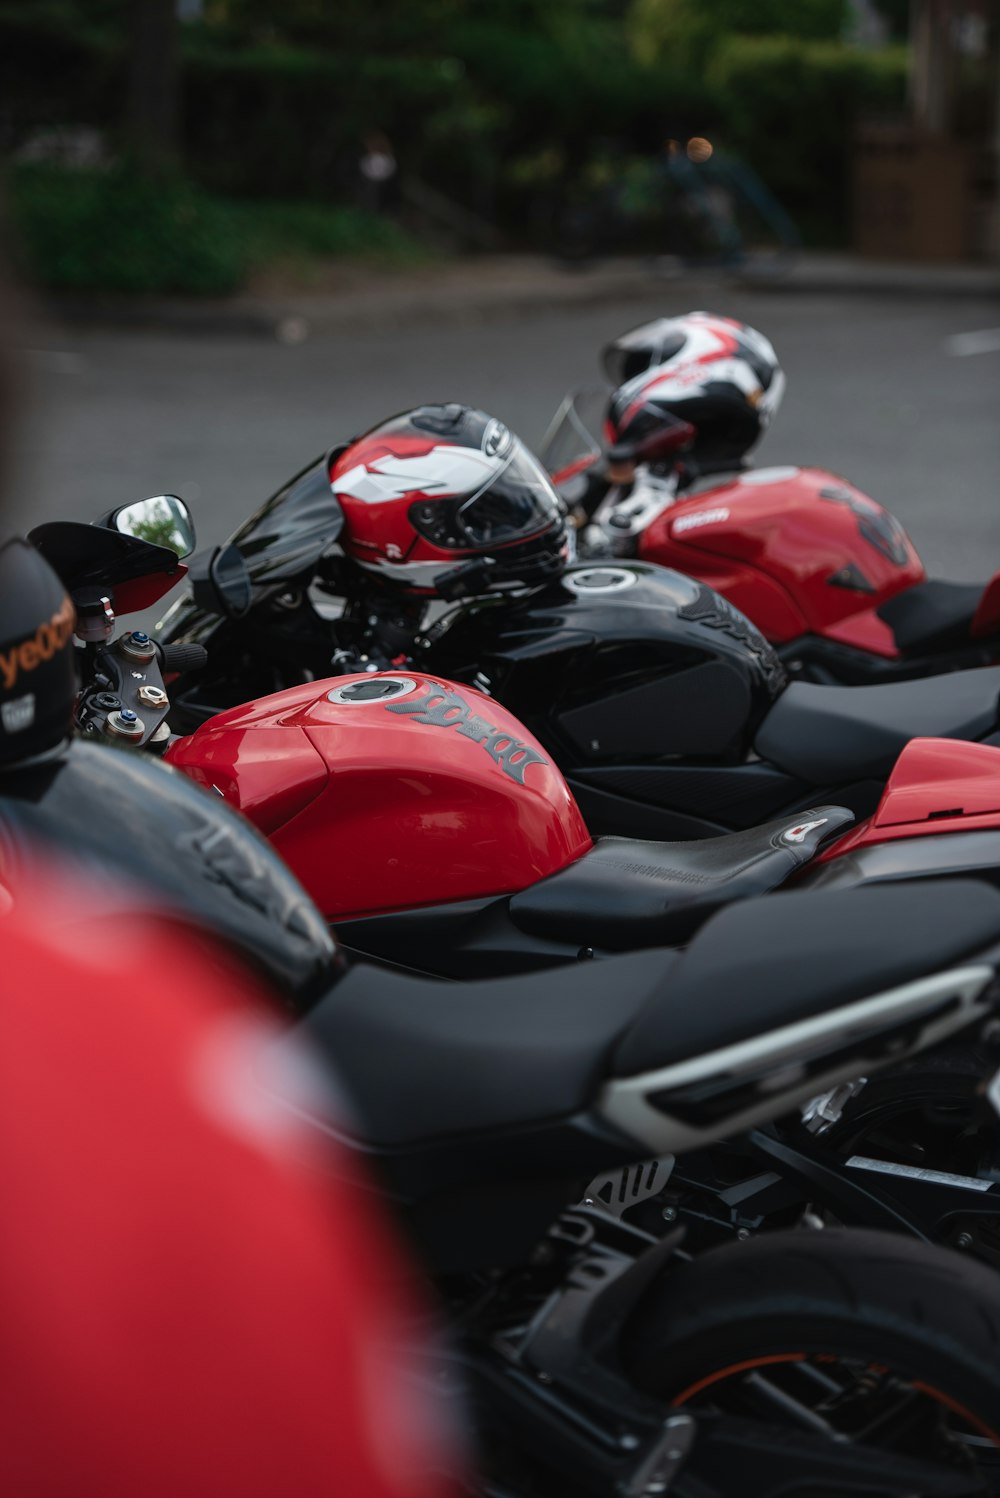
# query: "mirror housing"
[163,520]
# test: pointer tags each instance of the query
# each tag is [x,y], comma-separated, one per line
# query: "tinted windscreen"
[288,535]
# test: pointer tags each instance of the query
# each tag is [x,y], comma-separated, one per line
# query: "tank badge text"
[444,709]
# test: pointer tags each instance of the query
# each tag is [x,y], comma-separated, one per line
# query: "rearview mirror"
[164,520]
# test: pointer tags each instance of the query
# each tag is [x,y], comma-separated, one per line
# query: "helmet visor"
[517,501]
[635,352]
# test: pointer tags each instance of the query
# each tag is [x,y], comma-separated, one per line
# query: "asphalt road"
[875,392]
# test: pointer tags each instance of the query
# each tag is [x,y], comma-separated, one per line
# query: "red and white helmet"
[719,375]
[430,490]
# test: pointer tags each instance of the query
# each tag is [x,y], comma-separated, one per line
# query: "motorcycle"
[669,713]
[827,574]
[600,1357]
[460,842]
[482,835]
[514,763]
[410,811]
[129,821]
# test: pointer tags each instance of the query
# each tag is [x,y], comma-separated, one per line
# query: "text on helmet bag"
[48,639]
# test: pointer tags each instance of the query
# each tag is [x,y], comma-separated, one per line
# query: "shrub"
[117,231]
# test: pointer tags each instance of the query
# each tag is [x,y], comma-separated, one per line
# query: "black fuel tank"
[128,824]
[618,661]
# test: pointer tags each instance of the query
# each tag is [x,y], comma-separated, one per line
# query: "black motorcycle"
[667,711]
[599,1356]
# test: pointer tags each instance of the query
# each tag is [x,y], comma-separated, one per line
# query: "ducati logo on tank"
[442,709]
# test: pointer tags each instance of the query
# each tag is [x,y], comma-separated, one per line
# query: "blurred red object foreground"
[186,1303]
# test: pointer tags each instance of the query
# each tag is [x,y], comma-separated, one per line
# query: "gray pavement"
[878,391]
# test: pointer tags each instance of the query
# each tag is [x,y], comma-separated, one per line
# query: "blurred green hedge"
[96,230]
[503,117]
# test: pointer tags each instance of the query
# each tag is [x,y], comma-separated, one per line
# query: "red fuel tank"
[799,551]
[383,792]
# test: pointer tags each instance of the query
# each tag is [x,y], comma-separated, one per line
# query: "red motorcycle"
[425,818]
[431,827]
[658,470]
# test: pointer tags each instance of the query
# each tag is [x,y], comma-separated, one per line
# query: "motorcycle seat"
[627,893]
[933,615]
[768,963]
[832,735]
[425,1060]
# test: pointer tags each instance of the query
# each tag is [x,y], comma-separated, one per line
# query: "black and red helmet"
[718,375]
[431,489]
[427,491]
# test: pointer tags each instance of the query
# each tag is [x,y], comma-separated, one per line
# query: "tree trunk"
[151,116]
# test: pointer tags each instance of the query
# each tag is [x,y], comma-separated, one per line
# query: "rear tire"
[863,1308]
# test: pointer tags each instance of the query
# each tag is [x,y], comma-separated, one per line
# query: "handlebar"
[124,698]
[177,659]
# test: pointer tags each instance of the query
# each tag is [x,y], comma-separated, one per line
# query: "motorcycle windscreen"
[572,444]
[286,537]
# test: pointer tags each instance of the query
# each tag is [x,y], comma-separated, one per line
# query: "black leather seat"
[768,963]
[626,893]
[832,735]
[424,1058]
[934,615]
[427,1060]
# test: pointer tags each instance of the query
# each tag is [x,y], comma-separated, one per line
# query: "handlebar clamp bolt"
[138,645]
[124,724]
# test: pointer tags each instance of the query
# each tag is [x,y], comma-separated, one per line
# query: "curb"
[486,290]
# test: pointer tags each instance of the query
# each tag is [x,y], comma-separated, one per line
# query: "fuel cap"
[378,689]
[600,579]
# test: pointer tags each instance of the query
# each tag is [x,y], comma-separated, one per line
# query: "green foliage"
[115,231]
[92,22]
[506,106]
[688,32]
[315,231]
